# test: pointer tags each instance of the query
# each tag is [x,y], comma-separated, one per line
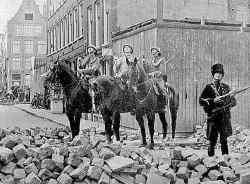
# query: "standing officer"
[218,122]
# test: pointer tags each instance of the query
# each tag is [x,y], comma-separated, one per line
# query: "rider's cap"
[93,47]
[155,48]
[127,45]
[217,68]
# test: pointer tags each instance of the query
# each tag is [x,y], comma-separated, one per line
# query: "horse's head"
[61,73]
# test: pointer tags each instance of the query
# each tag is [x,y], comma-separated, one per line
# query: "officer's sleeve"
[233,101]
[205,100]
[117,68]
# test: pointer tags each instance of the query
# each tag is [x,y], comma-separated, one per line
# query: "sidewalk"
[60,119]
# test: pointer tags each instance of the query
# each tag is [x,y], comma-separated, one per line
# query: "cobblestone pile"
[48,156]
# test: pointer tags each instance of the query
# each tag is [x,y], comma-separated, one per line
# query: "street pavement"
[14,117]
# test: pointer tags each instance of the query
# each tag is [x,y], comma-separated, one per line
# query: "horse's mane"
[66,68]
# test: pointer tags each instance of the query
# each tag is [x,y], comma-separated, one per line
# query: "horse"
[78,98]
[109,98]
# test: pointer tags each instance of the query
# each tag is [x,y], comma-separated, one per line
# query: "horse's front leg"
[164,123]
[77,117]
[106,115]
[151,123]
[139,118]
[116,125]
[73,127]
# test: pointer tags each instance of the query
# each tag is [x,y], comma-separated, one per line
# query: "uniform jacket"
[223,118]
[91,64]
[157,67]
[121,67]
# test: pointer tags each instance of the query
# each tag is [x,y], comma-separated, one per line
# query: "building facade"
[73,25]
[26,38]
[196,34]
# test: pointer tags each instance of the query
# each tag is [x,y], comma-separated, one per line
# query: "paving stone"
[154,178]
[64,179]
[45,174]
[182,173]
[245,178]
[52,181]
[114,181]
[194,180]
[33,179]
[105,179]
[193,161]
[48,164]
[9,168]
[117,163]
[176,154]
[20,151]
[81,172]
[94,172]
[19,173]
[201,169]
[106,153]
[68,169]
[170,174]
[214,175]
[179,181]
[123,178]
[45,151]
[74,159]
[97,162]
[20,163]
[11,141]
[140,179]
[210,162]
[8,179]
[6,155]
[31,168]
[59,160]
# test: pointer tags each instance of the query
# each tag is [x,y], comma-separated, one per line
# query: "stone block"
[6,155]
[214,175]
[32,178]
[68,169]
[105,179]
[45,174]
[201,169]
[52,181]
[74,159]
[97,162]
[81,172]
[19,173]
[64,179]
[193,161]
[154,178]
[117,163]
[20,151]
[8,179]
[182,173]
[31,168]
[48,164]
[9,168]
[194,180]
[94,172]
[245,178]
[106,153]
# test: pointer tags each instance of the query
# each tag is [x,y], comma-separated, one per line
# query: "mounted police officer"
[123,66]
[218,122]
[90,65]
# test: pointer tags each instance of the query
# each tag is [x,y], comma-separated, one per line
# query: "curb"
[41,117]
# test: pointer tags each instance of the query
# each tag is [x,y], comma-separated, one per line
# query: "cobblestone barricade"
[48,156]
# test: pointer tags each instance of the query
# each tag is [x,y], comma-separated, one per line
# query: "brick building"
[74,24]
[26,38]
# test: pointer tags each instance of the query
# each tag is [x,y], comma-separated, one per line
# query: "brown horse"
[112,99]
[78,99]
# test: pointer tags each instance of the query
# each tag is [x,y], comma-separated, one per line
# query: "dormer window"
[28,16]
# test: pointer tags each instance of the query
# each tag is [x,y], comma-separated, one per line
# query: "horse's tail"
[173,107]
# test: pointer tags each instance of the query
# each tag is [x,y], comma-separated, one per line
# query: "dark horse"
[113,99]
[78,99]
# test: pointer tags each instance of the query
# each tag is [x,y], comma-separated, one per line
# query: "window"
[27,64]
[89,14]
[27,80]
[70,27]
[62,33]
[16,47]
[41,48]
[16,76]
[65,31]
[106,22]
[28,46]
[97,23]
[76,24]
[28,30]
[28,16]
[81,20]
[16,64]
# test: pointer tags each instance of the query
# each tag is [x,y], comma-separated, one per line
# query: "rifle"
[231,93]
[219,98]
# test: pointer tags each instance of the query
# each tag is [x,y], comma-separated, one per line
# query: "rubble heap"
[46,156]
